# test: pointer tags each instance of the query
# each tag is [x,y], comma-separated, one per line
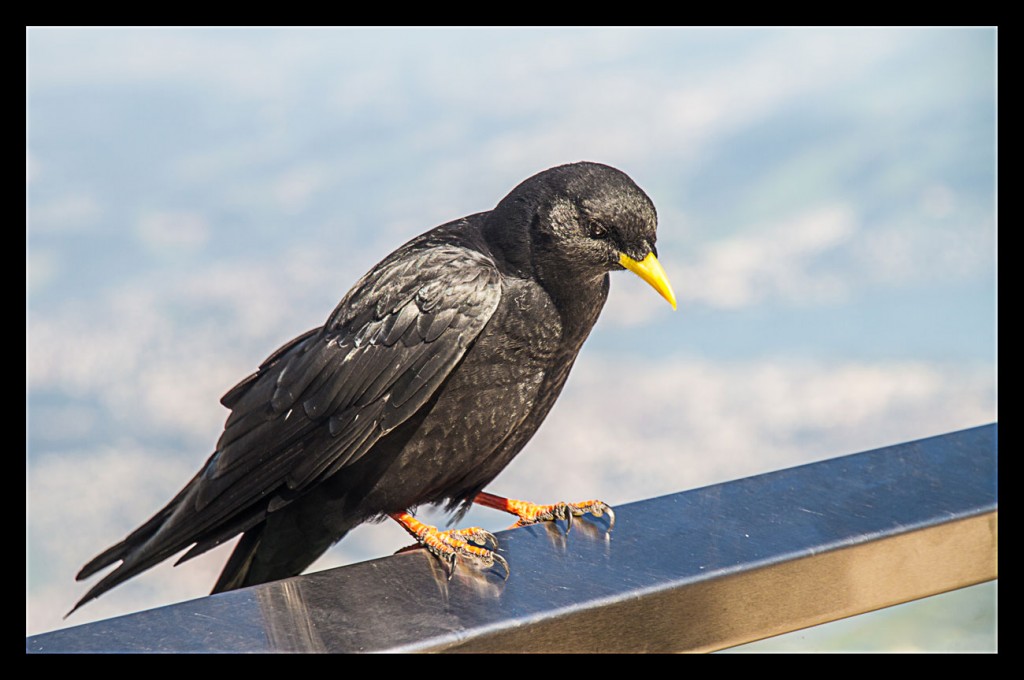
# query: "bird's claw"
[503,562]
[597,509]
[478,536]
[448,560]
[473,543]
[488,560]
[531,514]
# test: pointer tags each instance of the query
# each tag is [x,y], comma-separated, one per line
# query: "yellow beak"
[650,271]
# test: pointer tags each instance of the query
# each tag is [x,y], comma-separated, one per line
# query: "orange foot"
[530,513]
[447,545]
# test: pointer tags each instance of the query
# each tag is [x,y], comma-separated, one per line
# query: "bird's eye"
[598,231]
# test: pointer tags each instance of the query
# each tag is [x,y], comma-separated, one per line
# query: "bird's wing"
[383,352]
[322,401]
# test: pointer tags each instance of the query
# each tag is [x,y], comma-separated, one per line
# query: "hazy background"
[196,198]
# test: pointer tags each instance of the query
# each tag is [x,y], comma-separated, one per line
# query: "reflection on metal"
[694,571]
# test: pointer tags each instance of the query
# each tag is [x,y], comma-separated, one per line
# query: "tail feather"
[131,552]
[132,565]
[121,550]
[237,569]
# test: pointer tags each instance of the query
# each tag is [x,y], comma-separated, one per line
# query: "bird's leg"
[447,545]
[531,513]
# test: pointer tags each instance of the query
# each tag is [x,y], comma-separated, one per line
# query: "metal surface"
[694,571]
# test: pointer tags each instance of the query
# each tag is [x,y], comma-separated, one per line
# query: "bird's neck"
[579,300]
[510,246]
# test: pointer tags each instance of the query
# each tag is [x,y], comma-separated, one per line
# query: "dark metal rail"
[694,571]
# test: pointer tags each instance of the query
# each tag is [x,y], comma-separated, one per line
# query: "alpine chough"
[429,376]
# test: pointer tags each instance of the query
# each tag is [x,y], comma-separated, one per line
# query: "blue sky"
[826,204]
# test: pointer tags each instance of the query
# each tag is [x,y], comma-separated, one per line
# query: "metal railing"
[694,571]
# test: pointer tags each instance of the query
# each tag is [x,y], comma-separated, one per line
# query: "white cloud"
[173,230]
[41,267]
[901,252]
[294,188]
[32,167]
[938,200]
[130,356]
[623,117]
[70,212]
[770,261]
[219,58]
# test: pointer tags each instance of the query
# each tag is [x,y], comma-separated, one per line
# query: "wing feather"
[348,380]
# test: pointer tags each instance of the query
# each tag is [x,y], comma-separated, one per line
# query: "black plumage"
[426,380]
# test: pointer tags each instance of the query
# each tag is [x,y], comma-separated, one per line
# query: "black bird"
[429,376]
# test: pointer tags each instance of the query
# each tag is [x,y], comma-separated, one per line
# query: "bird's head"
[586,219]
